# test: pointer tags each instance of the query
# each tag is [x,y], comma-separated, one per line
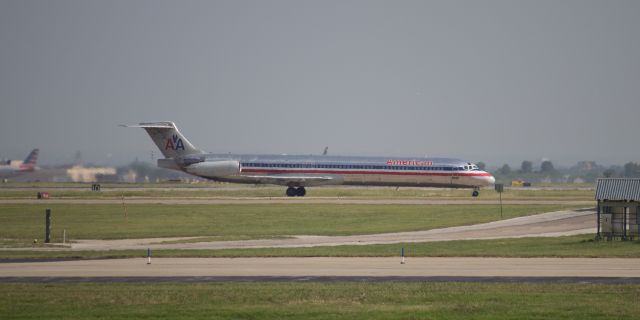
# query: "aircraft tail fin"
[168,138]
[30,161]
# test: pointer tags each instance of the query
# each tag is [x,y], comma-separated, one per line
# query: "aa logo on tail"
[174,143]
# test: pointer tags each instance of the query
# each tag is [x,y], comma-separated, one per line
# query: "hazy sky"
[492,81]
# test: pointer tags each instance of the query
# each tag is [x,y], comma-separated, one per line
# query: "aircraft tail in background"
[30,162]
[14,168]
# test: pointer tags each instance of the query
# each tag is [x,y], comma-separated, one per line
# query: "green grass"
[26,221]
[350,300]
[574,246]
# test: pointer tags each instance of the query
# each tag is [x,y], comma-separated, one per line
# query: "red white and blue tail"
[30,162]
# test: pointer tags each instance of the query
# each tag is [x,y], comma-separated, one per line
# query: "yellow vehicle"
[520,183]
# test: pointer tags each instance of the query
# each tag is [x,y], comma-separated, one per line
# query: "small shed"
[618,208]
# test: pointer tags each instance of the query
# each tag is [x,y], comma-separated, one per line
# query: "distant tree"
[481,165]
[142,169]
[609,173]
[547,167]
[526,167]
[505,170]
[631,169]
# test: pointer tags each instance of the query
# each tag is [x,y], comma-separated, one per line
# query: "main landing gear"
[296,192]
[476,192]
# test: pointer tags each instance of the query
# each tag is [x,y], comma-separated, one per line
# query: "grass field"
[25,222]
[351,300]
[572,246]
[20,224]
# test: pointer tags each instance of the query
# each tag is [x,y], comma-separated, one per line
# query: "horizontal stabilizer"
[164,124]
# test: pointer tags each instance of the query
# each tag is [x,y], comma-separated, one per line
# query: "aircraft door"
[455,177]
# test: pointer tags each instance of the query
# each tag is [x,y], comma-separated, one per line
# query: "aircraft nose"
[487,180]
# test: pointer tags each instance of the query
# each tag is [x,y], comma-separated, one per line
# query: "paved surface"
[305,200]
[191,279]
[330,267]
[550,224]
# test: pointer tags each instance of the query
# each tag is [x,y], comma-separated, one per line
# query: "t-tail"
[168,138]
[29,163]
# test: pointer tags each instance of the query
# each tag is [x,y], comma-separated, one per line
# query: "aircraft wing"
[295,180]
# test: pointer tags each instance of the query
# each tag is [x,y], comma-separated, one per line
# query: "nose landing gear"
[296,192]
[476,192]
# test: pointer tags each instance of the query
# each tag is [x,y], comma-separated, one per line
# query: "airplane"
[297,172]
[7,169]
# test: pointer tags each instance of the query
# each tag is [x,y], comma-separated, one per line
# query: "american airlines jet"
[8,170]
[297,172]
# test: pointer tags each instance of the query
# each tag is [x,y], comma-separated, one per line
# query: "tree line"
[583,171]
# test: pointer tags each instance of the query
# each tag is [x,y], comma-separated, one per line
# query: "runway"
[327,268]
[580,280]
[552,224]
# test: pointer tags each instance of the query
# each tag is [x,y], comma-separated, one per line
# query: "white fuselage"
[296,171]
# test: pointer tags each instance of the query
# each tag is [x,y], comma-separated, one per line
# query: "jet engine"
[214,168]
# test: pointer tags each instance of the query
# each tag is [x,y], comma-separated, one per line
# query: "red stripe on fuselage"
[399,173]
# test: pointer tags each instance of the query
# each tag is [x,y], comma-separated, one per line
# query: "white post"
[64,236]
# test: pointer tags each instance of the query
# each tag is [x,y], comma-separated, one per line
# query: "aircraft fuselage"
[375,171]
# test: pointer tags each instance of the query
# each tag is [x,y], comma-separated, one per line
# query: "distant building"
[82,174]
[128,176]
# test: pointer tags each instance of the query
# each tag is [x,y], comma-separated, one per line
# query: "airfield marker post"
[47,225]
[148,255]
[64,236]
[500,195]
[499,189]
[402,261]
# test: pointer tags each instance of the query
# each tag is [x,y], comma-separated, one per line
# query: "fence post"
[47,226]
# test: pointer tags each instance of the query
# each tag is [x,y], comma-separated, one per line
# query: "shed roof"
[620,189]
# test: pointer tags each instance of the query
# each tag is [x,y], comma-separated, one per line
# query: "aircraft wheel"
[300,192]
[291,192]
[475,193]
